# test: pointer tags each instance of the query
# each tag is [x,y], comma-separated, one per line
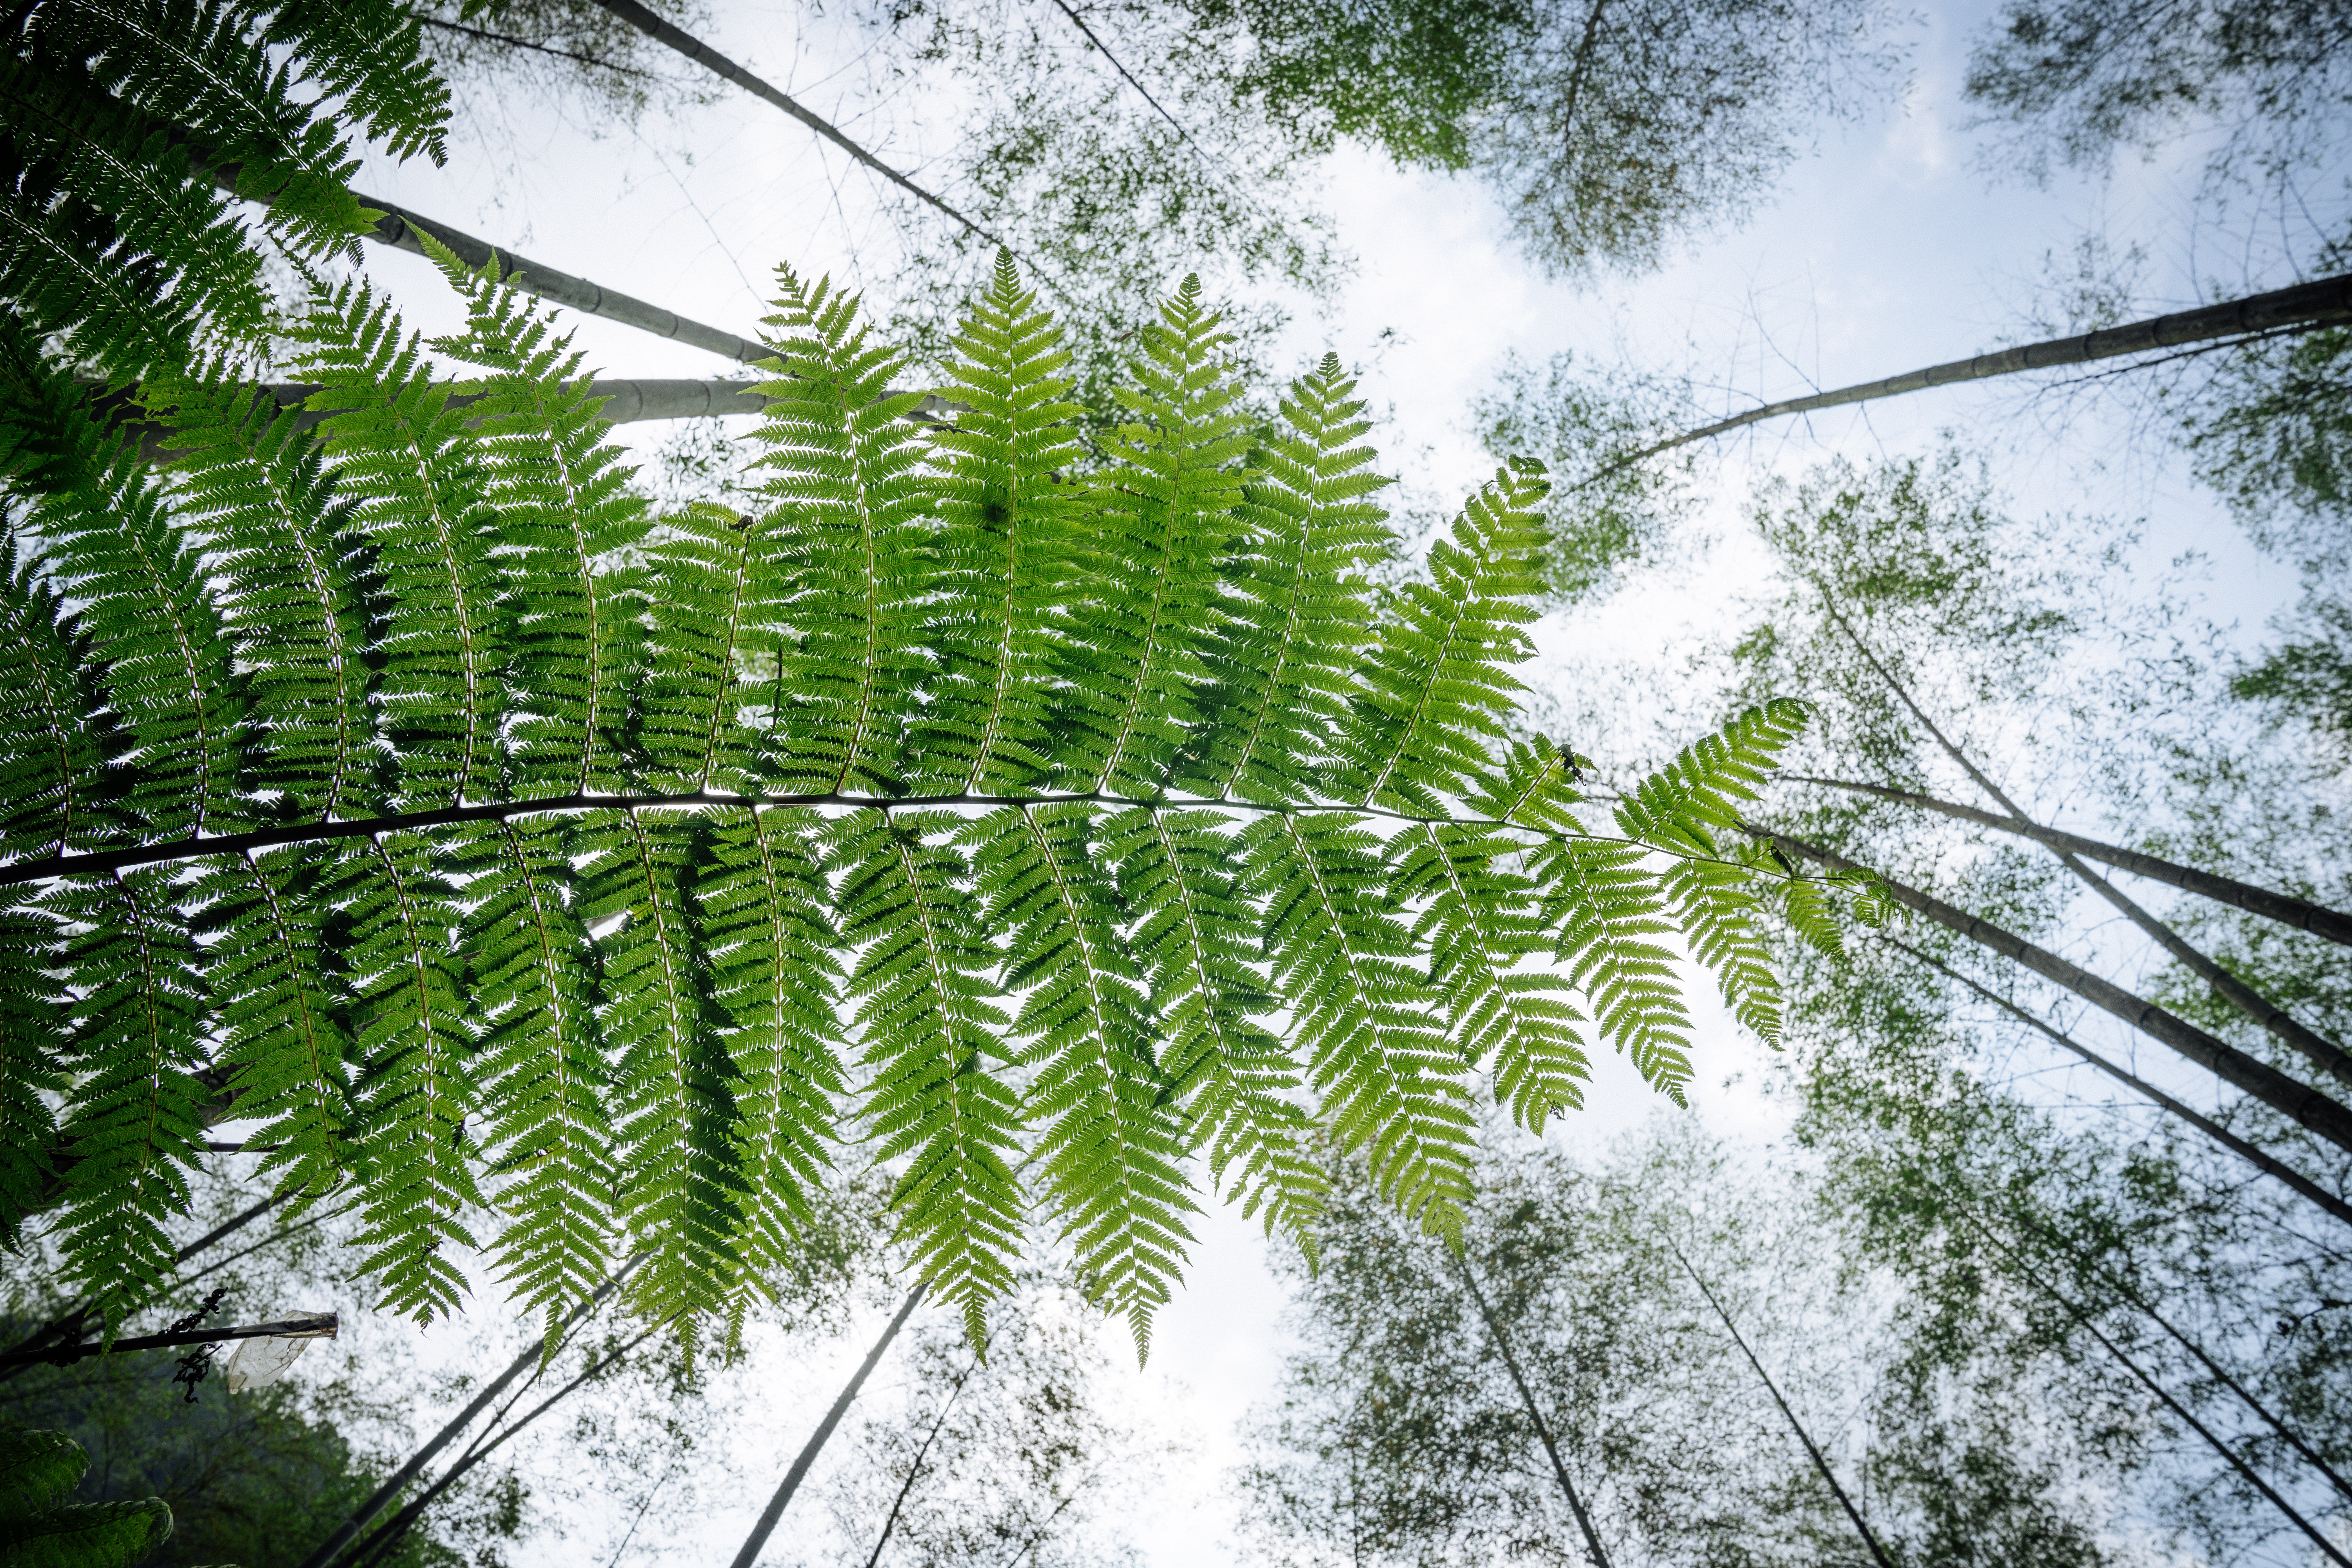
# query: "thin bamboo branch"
[915,1470]
[1128,76]
[1543,1427]
[703,54]
[1812,1449]
[345,1533]
[401,230]
[69,1324]
[2317,919]
[2276,1170]
[2307,1106]
[2306,307]
[387,1536]
[2287,1433]
[2323,1053]
[64,1355]
[766,1523]
[2212,1440]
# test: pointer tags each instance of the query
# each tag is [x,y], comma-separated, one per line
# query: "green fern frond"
[567,518]
[923,981]
[1533,785]
[114,544]
[34,1042]
[285,1032]
[1478,919]
[1684,804]
[209,67]
[1004,543]
[108,238]
[842,466]
[420,488]
[282,538]
[1284,663]
[370,54]
[1164,530]
[1110,1149]
[60,785]
[545,1085]
[134,1124]
[1362,1012]
[681,1182]
[1715,906]
[1605,906]
[1437,688]
[564,836]
[1196,933]
[768,924]
[415,1090]
[685,726]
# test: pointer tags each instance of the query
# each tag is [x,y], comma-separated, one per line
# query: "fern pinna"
[566,881]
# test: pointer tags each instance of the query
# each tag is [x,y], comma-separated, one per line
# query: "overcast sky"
[1886,248]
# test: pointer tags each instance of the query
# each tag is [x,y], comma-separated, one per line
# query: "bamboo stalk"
[2321,1053]
[2276,1170]
[2304,307]
[710,59]
[2317,919]
[2307,1107]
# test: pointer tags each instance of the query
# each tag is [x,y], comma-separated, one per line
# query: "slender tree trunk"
[2307,1107]
[2274,1169]
[915,1470]
[1812,1450]
[2212,1440]
[710,59]
[2324,1054]
[2114,1282]
[766,1523]
[2318,919]
[1535,1415]
[2306,307]
[345,1533]
[387,1536]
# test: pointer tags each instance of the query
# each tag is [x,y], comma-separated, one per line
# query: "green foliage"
[39,1528]
[1607,513]
[1608,131]
[113,235]
[569,878]
[2082,80]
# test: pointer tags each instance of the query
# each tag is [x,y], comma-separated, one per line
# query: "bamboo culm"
[2304,307]
[1535,1416]
[2285,1509]
[346,1533]
[1812,1450]
[2276,1170]
[2317,919]
[766,1523]
[2307,1107]
[2324,1054]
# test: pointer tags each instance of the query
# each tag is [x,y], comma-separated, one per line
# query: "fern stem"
[48,866]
